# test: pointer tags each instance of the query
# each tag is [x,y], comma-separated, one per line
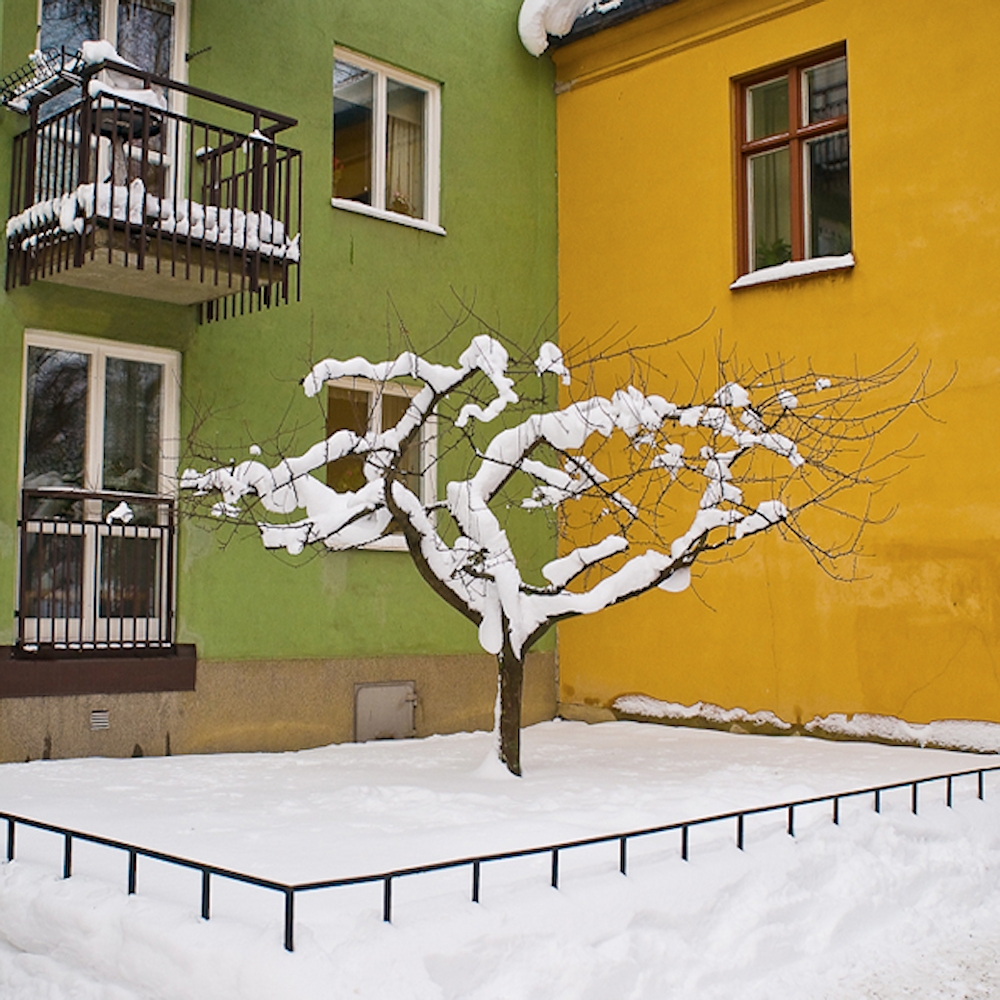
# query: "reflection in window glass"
[56,418]
[770,209]
[67,23]
[767,109]
[393,410]
[145,32]
[404,181]
[347,409]
[829,195]
[826,91]
[132,425]
[353,104]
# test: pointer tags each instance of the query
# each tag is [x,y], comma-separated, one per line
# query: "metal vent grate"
[99,719]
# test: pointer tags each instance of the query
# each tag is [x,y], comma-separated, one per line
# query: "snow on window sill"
[794,269]
[387,543]
[380,213]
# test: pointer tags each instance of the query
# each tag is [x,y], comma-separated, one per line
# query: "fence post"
[684,843]
[836,809]
[132,860]
[791,821]
[555,867]
[739,831]
[878,800]
[289,919]
[387,900]
[948,793]
[980,784]
[10,839]
[68,855]
[475,881]
[623,855]
[913,799]
[206,892]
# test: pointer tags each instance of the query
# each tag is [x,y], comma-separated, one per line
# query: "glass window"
[385,127]
[795,201]
[68,23]
[145,34]
[363,407]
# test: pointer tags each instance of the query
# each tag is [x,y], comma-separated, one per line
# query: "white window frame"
[432,144]
[428,444]
[99,351]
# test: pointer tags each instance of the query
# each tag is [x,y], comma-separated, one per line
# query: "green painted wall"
[361,277]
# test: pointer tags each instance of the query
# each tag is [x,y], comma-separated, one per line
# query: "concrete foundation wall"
[266,706]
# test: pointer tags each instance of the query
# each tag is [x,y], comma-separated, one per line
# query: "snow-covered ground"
[882,906]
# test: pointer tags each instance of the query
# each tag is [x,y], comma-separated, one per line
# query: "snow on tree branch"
[642,486]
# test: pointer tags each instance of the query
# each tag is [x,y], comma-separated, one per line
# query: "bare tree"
[639,488]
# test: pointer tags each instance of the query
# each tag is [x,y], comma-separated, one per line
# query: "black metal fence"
[120,178]
[96,570]
[476,862]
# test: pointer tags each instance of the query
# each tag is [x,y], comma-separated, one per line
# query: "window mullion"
[380,124]
[94,461]
[795,153]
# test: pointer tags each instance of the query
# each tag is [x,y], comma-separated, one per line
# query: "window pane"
[393,410]
[826,91]
[767,109]
[56,418]
[145,33]
[770,209]
[52,575]
[132,391]
[829,195]
[69,22]
[129,576]
[347,410]
[404,179]
[353,102]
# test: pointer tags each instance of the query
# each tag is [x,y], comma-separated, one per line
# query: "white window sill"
[794,269]
[387,543]
[380,213]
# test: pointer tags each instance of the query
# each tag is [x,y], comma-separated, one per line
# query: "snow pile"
[257,232]
[950,734]
[958,734]
[886,905]
[538,19]
[652,708]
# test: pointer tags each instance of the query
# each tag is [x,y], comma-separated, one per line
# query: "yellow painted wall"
[647,242]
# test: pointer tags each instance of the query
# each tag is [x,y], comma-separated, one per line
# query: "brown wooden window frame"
[795,138]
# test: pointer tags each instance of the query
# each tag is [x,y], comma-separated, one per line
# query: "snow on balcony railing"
[257,232]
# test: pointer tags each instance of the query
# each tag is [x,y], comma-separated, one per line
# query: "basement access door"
[384,711]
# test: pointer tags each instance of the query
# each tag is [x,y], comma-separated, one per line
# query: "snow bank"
[954,734]
[886,905]
[948,734]
[651,708]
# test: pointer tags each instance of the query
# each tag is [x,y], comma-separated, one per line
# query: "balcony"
[97,571]
[114,190]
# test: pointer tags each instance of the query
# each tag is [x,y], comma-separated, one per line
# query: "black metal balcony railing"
[120,193]
[97,571]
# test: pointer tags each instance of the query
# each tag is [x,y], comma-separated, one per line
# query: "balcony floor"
[167,271]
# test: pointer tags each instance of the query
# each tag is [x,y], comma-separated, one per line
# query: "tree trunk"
[511,685]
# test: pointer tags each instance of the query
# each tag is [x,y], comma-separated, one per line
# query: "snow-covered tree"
[642,487]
